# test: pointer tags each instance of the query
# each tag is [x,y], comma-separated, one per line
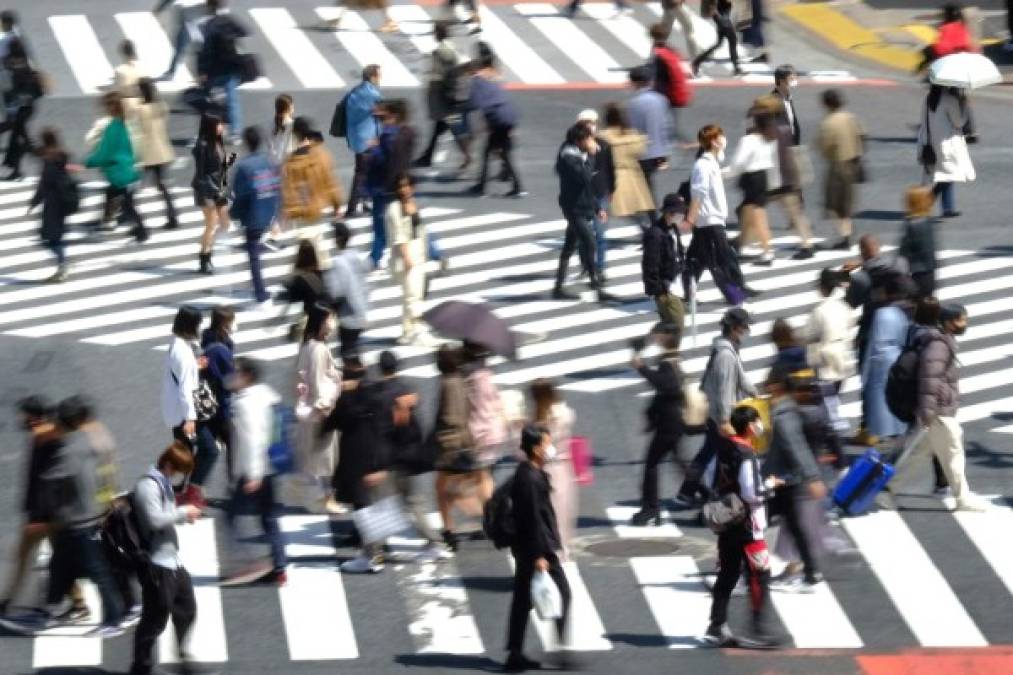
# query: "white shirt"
[754,153]
[179,384]
[708,188]
[252,429]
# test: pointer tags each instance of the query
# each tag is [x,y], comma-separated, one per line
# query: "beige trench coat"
[632,194]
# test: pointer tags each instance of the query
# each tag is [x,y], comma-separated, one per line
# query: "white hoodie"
[252,427]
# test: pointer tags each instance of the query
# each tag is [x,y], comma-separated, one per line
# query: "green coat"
[114,155]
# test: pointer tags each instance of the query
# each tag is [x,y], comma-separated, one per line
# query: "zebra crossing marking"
[581,49]
[295,48]
[154,51]
[83,51]
[68,646]
[366,48]
[676,596]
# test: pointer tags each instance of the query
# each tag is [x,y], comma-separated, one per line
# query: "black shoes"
[206,266]
[750,292]
[804,253]
[560,293]
[951,214]
[516,193]
[518,663]
[450,539]
[718,635]
[645,517]
[475,191]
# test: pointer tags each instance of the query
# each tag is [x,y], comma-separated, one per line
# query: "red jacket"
[669,77]
[953,37]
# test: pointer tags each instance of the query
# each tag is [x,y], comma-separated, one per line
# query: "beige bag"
[696,408]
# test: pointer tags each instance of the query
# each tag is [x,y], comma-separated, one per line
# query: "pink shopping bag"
[581,455]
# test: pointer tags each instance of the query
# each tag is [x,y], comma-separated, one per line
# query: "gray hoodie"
[158,516]
[69,488]
[725,381]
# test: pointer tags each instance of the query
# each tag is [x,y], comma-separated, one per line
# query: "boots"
[206,266]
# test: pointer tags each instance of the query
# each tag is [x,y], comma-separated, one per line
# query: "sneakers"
[248,574]
[798,584]
[59,276]
[434,553]
[106,632]
[518,663]
[765,260]
[865,437]
[362,564]
[450,539]
[759,640]
[30,623]
[131,618]
[77,614]
[971,504]
[516,194]
[718,636]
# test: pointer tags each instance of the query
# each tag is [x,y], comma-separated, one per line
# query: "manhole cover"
[631,548]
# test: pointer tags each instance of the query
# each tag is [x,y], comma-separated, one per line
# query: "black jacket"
[363,447]
[219,56]
[210,164]
[663,258]
[664,414]
[53,184]
[534,517]
[604,170]
[918,245]
[576,182]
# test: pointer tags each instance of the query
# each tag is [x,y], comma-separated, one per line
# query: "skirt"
[754,188]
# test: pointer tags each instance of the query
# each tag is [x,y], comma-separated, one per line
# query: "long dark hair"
[315,321]
[222,318]
[282,107]
[209,130]
[149,92]
[936,95]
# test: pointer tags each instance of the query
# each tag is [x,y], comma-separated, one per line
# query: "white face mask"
[758,429]
[792,83]
[719,148]
[550,452]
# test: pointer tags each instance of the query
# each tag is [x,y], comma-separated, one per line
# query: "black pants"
[157,174]
[709,250]
[662,443]
[204,448]
[130,213]
[349,338]
[691,486]
[738,554]
[925,283]
[580,237]
[520,605]
[262,502]
[77,554]
[726,31]
[499,140]
[164,593]
[784,503]
[19,142]
[650,167]
[358,190]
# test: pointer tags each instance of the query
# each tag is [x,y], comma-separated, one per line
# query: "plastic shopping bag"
[382,519]
[545,597]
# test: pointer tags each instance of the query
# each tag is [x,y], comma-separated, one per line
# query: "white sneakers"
[434,553]
[361,564]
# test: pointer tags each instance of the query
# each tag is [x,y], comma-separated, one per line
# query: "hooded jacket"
[663,258]
[725,381]
[252,429]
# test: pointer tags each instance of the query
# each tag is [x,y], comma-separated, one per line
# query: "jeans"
[520,605]
[205,450]
[230,83]
[180,43]
[59,250]
[434,252]
[253,251]
[78,553]
[380,200]
[164,592]
[265,505]
[735,547]
[945,192]
[579,236]
[601,243]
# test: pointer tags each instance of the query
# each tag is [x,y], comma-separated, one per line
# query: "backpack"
[281,451]
[122,537]
[670,79]
[339,121]
[498,516]
[902,380]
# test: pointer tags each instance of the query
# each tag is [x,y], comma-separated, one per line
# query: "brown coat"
[308,185]
[632,194]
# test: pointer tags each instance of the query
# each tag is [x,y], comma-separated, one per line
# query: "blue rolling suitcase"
[867,476]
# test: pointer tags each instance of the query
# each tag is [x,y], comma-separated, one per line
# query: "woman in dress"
[211,164]
[51,193]
[156,154]
[318,385]
[632,197]
[552,413]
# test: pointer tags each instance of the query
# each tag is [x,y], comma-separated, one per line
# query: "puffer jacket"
[308,184]
[938,390]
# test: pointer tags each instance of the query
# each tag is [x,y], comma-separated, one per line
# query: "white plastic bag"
[545,597]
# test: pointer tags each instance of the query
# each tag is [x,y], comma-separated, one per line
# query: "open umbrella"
[965,70]
[474,323]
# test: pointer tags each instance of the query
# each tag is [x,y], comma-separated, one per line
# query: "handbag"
[927,155]
[204,400]
[581,456]
[721,513]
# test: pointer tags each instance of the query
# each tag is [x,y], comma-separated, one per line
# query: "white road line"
[207,641]
[917,588]
[314,608]
[154,51]
[626,29]
[83,51]
[981,528]
[416,23]
[296,49]
[573,42]
[676,596]
[621,515]
[529,67]
[585,631]
[366,48]
[440,619]
[816,620]
[67,645]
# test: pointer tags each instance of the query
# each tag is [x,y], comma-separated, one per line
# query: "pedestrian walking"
[25,87]
[347,284]
[166,586]
[501,116]
[114,157]
[753,35]
[725,382]
[840,142]
[677,10]
[187,17]
[446,95]
[945,117]
[318,383]
[58,195]
[719,11]
[575,168]
[155,153]
[648,113]
[786,79]
[708,211]
[622,9]
[552,413]
[603,184]
[487,425]
[536,546]
[631,197]
[220,62]
[742,549]
[825,335]
[282,142]
[889,332]
[952,37]
[389,159]
[256,200]
[389,24]
[362,130]
[305,285]
[663,261]
[180,384]
[918,241]
[407,235]
[669,77]
[309,186]
[753,162]
[664,416]
[127,74]
[9,29]
[210,180]
[218,350]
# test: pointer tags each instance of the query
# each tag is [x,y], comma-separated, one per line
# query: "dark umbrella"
[474,323]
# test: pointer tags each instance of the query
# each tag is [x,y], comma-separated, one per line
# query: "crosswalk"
[536,43]
[123,295]
[438,608]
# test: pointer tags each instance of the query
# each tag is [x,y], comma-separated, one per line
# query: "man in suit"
[785,79]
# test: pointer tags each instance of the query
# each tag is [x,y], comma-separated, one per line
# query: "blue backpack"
[281,452]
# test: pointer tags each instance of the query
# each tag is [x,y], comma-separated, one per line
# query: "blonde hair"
[918,201]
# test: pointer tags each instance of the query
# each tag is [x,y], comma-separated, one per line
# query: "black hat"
[736,317]
[673,203]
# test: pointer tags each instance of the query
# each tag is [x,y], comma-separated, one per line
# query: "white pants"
[945,439]
[413,284]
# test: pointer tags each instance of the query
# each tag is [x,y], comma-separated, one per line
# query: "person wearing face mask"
[663,261]
[219,355]
[166,587]
[708,211]
[741,548]
[785,79]
[938,404]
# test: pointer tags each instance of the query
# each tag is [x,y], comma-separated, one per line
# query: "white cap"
[588,115]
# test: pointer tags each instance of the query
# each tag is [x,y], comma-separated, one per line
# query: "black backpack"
[339,121]
[125,545]
[902,381]
[498,516]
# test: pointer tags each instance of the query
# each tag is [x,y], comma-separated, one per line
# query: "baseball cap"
[588,115]
[673,203]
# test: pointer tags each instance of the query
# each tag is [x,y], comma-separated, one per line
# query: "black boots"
[206,266]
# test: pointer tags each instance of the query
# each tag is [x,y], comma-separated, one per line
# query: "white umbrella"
[965,70]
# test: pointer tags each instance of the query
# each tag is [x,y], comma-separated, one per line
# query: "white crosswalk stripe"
[536,43]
